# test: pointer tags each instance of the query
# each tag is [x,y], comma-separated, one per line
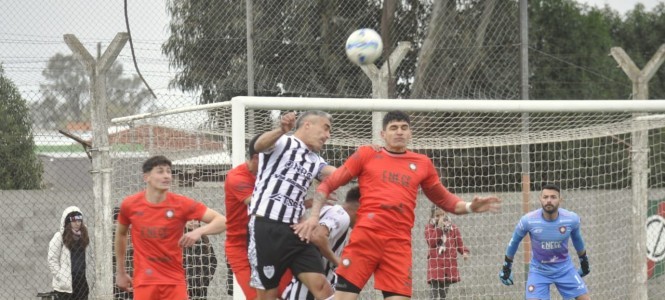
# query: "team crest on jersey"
[346,262]
[169,214]
[269,271]
[562,229]
[531,288]
[412,166]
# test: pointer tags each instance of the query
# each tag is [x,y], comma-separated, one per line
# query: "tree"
[298,47]
[640,34]
[569,47]
[20,168]
[65,98]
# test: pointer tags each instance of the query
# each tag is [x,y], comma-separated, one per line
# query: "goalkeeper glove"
[584,269]
[506,273]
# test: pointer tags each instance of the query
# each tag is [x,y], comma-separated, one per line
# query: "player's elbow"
[220,222]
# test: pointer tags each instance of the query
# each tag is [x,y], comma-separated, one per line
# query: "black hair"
[353,195]
[395,115]
[250,147]
[551,186]
[154,161]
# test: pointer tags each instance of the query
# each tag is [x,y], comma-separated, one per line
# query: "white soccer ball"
[364,46]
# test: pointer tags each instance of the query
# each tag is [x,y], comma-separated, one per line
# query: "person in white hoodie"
[67,256]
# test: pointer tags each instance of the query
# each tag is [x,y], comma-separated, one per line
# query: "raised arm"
[439,195]
[268,139]
[444,199]
[449,202]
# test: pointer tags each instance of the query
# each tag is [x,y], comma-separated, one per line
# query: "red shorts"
[161,292]
[389,258]
[237,258]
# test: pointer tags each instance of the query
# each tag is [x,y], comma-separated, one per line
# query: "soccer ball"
[364,46]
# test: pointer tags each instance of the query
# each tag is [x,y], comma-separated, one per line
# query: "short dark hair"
[318,113]
[250,147]
[154,161]
[551,186]
[395,115]
[353,195]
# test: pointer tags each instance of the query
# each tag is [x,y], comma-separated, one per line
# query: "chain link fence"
[196,52]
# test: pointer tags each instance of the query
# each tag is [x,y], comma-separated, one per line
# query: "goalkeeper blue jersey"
[549,240]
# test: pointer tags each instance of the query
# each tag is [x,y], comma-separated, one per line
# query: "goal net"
[607,156]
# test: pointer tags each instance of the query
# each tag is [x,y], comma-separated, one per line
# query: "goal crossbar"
[425,105]
[605,154]
[419,105]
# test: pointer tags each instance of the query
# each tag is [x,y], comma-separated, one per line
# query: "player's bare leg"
[270,294]
[583,297]
[339,295]
[397,298]
[317,284]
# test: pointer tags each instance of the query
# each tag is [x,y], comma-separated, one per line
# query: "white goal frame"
[639,162]
[643,110]
[240,104]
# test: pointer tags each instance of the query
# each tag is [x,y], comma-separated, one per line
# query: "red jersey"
[156,229]
[239,186]
[389,185]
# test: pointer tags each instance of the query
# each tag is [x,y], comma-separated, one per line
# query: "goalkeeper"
[550,228]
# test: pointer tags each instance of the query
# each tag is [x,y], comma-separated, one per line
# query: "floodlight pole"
[381,82]
[640,167]
[101,160]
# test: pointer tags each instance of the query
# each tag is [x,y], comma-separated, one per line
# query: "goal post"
[585,146]
[241,104]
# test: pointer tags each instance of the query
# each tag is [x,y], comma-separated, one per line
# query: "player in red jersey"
[381,239]
[238,189]
[157,218]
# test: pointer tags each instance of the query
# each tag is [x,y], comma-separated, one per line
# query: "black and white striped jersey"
[285,173]
[338,221]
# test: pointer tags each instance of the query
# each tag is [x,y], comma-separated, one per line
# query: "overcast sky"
[31,32]
[621,5]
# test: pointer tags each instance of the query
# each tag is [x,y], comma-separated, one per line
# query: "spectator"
[67,256]
[444,241]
